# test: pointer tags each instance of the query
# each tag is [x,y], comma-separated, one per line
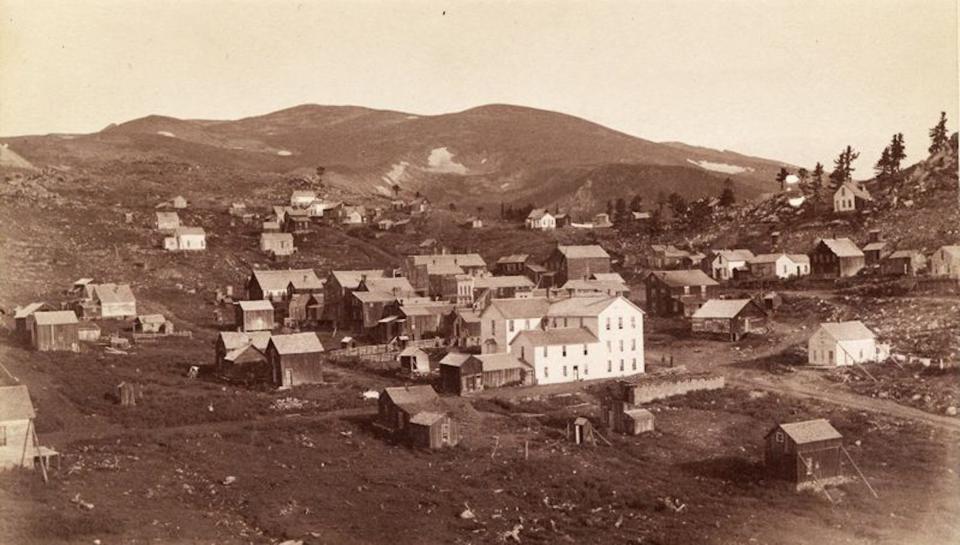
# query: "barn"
[114,300]
[55,331]
[805,453]
[295,359]
[255,315]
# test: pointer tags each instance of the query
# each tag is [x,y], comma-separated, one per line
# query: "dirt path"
[852,401]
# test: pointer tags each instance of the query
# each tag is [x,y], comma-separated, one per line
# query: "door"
[576,372]
[445,433]
[288,377]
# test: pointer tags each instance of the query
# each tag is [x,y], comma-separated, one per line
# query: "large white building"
[540,220]
[725,262]
[781,265]
[578,338]
[187,239]
[503,319]
[842,343]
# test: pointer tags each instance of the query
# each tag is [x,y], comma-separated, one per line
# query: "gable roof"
[534,307]
[260,304]
[455,359]
[23,312]
[583,251]
[244,354]
[514,258]
[277,280]
[952,249]
[691,277]
[411,396]
[55,317]
[721,308]
[387,284]
[296,343]
[182,231]
[151,319]
[15,403]
[857,191]
[351,279]
[739,254]
[873,246]
[275,237]
[554,337]
[163,217]
[114,293]
[237,339]
[412,351]
[426,418]
[463,260]
[853,330]
[810,431]
[537,213]
[905,254]
[842,247]
[595,285]
[609,277]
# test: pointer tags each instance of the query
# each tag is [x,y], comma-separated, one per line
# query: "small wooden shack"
[23,318]
[414,360]
[622,417]
[417,414]
[149,323]
[805,453]
[128,393]
[295,359]
[255,315]
[88,331]
[469,373]
[730,318]
[55,331]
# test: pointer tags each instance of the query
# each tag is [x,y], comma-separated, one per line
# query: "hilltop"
[480,156]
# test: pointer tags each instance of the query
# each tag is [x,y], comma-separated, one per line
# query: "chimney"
[775,239]
[874,235]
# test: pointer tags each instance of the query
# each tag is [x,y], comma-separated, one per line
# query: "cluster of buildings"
[541,219]
[178,237]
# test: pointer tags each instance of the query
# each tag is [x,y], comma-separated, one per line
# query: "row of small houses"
[830,258]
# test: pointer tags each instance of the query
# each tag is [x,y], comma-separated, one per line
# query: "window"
[778,437]
[493,327]
[633,322]
[586,369]
[609,347]
[3,436]
[584,350]
[621,345]
[633,344]
[619,322]
[545,352]
[621,365]
[608,324]
[565,322]
[546,371]
[564,370]
[609,366]
[510,323]
[523,354]
[830,355]
[634,364]
[564,350]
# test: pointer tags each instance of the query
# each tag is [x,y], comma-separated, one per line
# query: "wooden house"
[414,361]
[510,265]
[179,202]
[149,323]
[730,318]
[296,221]
[302,198]
[540,220]
[416,413]
[167,221]
[464,327]
[668,257]
[851,197]
[274,285]
[729,264]
[229,341]
[305,308]
[55,330]
[842,343]
[875,248]
[278,244]
[577,262]
[469,373]
[945,262]
[186,239]
[473,223]
[779,266]
[113,300]
[18,438]
[804,453]
[257,315]
[836,258]
[23,318]
[903,263]
[677,293]
[295,359]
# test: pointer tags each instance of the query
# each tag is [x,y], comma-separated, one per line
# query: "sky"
[788,80]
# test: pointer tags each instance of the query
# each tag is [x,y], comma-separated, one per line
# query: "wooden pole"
[526,450]
[865,481]
[36,444]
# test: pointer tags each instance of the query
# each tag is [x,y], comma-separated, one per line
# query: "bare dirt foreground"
[248,473]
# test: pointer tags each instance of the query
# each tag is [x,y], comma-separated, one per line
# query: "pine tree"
[804,176]
[897,154]
[727,197]
[816,181]
[938,135]
[636,203]
[882,168]
[843,167]
[782,177]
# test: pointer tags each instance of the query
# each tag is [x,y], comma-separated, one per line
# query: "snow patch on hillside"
[168,134]
[441,160]
[284,153]
[725,168]
[395,173]
[385,191]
